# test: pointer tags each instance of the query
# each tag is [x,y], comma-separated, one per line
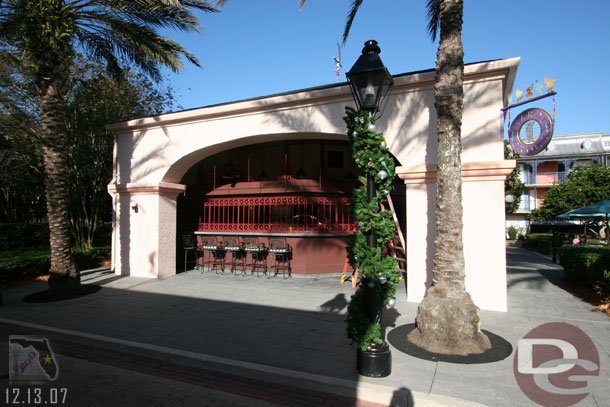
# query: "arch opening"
[236,192]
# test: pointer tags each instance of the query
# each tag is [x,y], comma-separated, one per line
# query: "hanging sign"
[531,131]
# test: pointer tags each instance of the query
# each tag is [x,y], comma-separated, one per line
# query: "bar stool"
[282,254]
[216,257]
[189,245]
[238,253]
[258,253]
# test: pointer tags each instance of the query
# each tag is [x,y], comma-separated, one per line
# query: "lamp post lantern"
[509,199]
[370,82]
[369,79]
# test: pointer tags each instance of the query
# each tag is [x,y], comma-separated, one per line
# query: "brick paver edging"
[277,393]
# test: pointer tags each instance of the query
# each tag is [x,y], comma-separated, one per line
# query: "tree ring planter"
[375,361]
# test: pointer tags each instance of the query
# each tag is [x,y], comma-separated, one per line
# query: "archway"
[315,175]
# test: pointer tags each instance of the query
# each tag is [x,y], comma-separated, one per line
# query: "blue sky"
[261,47]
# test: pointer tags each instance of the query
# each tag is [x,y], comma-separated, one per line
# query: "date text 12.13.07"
[36,396]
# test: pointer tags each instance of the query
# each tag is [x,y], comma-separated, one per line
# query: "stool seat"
[216,254]
[189,244]
[238,255]
[258,254]
[282,254]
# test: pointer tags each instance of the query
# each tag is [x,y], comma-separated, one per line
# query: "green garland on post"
[371,155]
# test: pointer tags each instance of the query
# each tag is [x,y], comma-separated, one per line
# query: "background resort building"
[553,165]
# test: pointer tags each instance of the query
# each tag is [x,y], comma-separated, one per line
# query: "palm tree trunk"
[447,319]
[64,279]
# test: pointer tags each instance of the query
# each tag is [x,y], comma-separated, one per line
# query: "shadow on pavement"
[175,327]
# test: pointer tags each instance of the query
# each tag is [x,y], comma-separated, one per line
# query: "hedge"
[18,264]
[550,227]
[27,235]
[21,235]
[588,264]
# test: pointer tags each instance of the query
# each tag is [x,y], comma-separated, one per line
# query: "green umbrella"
[597,210]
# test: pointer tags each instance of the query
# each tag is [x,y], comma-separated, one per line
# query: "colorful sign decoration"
[531,131]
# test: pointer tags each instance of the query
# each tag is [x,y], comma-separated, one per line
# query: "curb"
[229,375]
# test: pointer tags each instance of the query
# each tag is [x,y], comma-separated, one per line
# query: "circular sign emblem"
[531,131]
[555,364]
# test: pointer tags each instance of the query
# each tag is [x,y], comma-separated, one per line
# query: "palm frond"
[434,17]
[10,20]
[138,43]
[125,30]
[165,13]
[350,19]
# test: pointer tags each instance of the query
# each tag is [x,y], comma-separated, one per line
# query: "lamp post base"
[375,361]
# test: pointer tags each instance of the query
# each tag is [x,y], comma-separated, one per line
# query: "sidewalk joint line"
[433,377]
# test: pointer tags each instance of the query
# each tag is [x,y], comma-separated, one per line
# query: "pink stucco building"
[168,168]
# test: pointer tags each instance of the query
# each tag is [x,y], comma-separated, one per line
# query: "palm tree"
[47,34]
[447,319]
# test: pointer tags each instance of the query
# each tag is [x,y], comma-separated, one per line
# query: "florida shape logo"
[31,360]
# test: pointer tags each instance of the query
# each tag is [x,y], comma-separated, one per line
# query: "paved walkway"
[280,341]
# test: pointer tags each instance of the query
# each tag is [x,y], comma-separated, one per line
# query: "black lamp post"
[370,82]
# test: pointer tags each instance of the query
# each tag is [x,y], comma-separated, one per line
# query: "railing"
[545,178]
[276,214]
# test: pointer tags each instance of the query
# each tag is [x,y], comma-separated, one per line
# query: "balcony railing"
[277,214]
[545,178]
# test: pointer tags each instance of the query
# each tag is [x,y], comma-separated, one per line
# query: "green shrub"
[533,237]
[605,282]
[531,240]
[590,265]
[22,235]
[102,235]
[27,235]
[90,258]
[513,232]
[18,264]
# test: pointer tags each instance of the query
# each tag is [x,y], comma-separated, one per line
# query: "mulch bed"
[594,296]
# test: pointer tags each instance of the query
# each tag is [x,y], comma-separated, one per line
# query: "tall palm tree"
[447,319]
[48,34]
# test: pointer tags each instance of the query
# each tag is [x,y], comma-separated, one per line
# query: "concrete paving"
[287,335]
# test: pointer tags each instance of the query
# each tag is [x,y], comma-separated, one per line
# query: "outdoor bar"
[311,219]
